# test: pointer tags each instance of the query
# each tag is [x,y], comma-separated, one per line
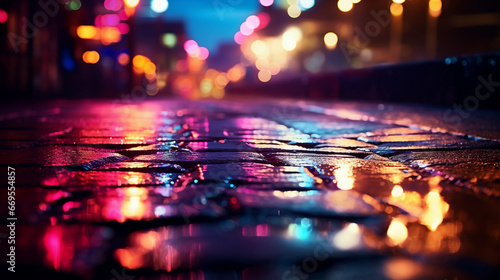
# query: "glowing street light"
[130,6]
[396,9]
[431,40]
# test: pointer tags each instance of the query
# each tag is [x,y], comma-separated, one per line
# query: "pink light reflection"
[262,230]
[52,243]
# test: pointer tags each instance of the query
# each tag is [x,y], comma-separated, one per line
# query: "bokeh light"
[159,6]
[259,48]
[266,3]
[131,3]
[398,1]
[435,7]
[239,38]
[110,20]
[123,28]
[253,21]
[91,57]
[113,5]
[149,68]
[264,76]
[331,40]
[123,59]
[348,238]
[306,4]
[86,31]
[191,47]
[169,40]
[221,80]
[139,61]
[396,9]
[206,87]
[290,38]
[397,191]
[264,19]
[397,232]
[274,68]
[3,16]
[73,5]
[345,5]
[236,73]
[203,53]
[294,11]
[245,29]
[110,34]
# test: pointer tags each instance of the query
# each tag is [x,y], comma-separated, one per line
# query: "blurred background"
[209,48]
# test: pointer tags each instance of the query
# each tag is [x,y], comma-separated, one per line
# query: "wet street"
[268,189]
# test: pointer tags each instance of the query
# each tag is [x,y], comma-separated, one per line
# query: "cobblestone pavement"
[251,190]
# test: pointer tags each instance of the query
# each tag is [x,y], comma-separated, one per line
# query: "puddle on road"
[191,191]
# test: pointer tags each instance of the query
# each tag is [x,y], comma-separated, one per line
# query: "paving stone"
[59,156]
[183,158]
[218,190]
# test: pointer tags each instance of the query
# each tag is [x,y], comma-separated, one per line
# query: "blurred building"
[339,34]
[73,48]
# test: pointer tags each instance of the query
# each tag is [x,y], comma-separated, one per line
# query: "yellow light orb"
[221,81]
[264,76]
[218,93]
[435,7]
[294,11]
[139,61]
[149,68]
[131,3]
[345,5]
[397,232]
[86,31]
[259,48]
[91,57]
[331,40]
[396,9]
[274,68]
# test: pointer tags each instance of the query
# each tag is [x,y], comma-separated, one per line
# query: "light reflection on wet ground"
[228,190]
